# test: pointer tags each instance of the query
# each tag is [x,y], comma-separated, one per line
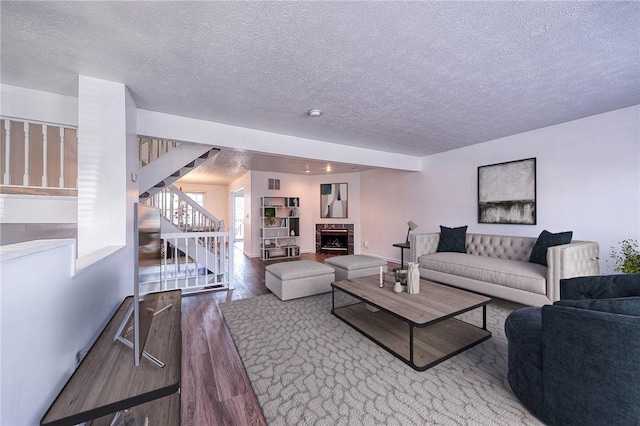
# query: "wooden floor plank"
[215,387]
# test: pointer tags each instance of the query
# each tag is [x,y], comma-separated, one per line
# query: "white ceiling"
[415,78]
[229,165]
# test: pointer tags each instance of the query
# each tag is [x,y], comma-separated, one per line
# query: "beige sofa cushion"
[511,273]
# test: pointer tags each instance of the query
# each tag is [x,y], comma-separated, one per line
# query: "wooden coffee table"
[419,329]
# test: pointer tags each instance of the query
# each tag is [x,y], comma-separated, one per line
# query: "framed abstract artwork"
[334,201]
[507,192]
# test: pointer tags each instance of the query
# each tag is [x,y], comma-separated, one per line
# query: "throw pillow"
[620,305]
[453,239]
[546,240]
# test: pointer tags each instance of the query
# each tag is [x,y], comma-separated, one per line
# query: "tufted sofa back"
[500,246]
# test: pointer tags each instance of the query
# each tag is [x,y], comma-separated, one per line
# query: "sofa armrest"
[423,244]
[576,259]
[600,287]
[591,366]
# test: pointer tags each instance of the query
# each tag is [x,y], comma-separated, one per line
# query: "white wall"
[53,306]
[588,181]
[102,165]
[36,105]
[48,315]
[160,125]
[307,188]
[20,208]
[216,199]
[244,183]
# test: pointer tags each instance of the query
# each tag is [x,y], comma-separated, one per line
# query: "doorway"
[238,217]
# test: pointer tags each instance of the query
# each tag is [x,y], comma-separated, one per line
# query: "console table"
[107,381]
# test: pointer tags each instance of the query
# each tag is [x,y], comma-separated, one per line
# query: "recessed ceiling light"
[328,167]
[315,112]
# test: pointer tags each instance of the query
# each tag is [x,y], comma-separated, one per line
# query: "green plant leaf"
[627,260]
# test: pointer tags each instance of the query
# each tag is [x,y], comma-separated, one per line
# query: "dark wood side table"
[402,246]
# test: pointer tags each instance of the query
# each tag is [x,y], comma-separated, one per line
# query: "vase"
[397,288]
[413,278]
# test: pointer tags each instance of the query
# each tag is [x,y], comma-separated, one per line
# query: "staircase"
[183,213]
[177,161]
[197,254]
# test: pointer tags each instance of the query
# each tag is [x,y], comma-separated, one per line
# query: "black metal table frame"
[402,247]
[412,325]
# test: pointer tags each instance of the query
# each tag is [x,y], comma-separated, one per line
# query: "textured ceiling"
[409,77]
[229,165]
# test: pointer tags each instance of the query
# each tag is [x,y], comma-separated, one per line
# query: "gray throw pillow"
[453,239]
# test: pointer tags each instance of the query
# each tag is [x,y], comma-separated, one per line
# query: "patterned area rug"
[309,368]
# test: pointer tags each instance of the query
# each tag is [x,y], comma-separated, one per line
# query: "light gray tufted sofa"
[499,266]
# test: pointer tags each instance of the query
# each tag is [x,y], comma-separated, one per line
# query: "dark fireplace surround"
[334,238]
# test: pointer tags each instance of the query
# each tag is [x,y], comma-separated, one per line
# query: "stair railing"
[191,272]
[178,208]
[38,155]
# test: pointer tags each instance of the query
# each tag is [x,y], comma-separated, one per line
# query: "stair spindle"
[61,180]
[25,176]
[7,152]
[44,155]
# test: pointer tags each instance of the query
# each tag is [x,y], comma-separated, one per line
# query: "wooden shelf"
[433,344]
[107,380]
[420,329]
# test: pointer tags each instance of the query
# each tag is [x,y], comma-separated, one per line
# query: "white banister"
[61,180]
[25,176]
[178,208]
[21,175]
[45,159]
[7,152]
[206,263]
[151,149]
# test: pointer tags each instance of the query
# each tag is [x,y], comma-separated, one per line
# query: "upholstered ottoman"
[355,265]
[300,278]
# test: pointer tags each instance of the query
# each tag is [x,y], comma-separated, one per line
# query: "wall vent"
[274,184]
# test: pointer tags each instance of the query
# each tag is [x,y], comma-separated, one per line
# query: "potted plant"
[628,259]
[269,217]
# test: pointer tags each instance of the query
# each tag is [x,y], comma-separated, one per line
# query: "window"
[182,211]
[198,197]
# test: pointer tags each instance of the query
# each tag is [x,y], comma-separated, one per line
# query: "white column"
[7,152]
[44,156]
[25,177]
[102,167]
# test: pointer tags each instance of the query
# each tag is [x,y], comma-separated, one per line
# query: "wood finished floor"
[215,388]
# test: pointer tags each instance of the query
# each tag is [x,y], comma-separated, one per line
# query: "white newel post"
[25,177]
[44,156]
[7,152]
[61,181]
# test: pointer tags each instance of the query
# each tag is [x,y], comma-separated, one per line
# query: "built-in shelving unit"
[279,227]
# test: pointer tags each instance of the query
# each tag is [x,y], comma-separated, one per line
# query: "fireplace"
[334,241]
[334,238]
